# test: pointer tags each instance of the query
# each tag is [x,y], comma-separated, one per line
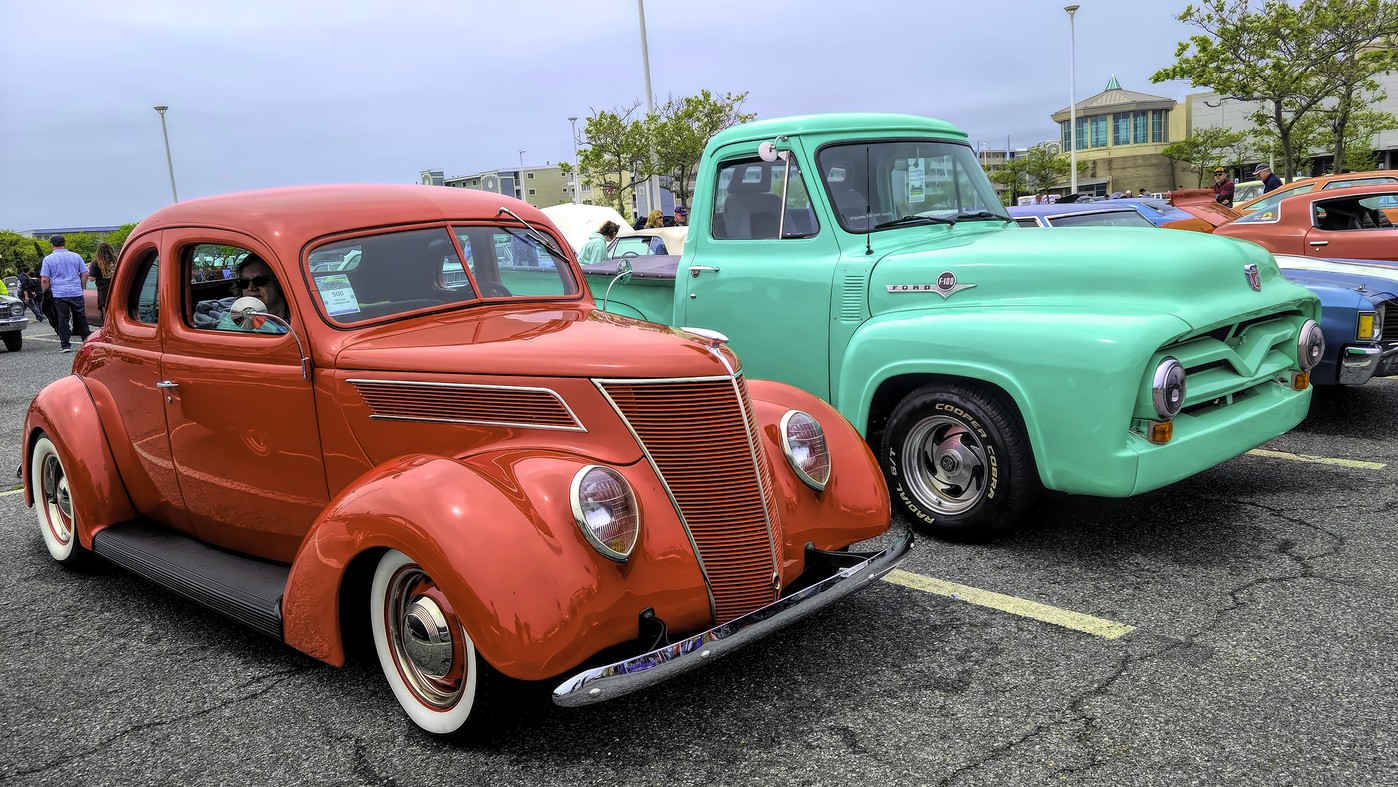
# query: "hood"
[1199,278]
[1335,281]
[533,342]
[1200,204]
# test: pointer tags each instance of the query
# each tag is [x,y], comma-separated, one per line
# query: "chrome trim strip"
[640,672]
[655,468]
[577,424]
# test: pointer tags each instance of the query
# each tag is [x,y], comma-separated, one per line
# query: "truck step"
[245,589]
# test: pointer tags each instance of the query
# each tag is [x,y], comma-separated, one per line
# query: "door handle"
[167,384]
[695,270]
[1319,243]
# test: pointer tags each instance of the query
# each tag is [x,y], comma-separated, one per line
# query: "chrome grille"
[701,437]
[1232,360]
[490,405]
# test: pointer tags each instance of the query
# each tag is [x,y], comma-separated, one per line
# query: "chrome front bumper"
[662,664]
[1359,364]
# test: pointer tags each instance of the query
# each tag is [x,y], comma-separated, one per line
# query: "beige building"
[539,186]
[1120,134]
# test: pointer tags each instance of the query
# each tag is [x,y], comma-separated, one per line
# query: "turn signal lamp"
[1366,325]
[1300,380]
[1160,432]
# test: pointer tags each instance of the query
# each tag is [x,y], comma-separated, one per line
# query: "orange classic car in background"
[1356,222]
[426,446]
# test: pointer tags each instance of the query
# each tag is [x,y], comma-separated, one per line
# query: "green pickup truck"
[866,259]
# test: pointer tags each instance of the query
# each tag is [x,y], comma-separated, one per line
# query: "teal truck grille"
[703,441]
[1229,362]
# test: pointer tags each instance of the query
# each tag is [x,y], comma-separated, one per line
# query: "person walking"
[64,275]
[100,271]
[1270,181]
[29,292]
[595,250]
[1223,187]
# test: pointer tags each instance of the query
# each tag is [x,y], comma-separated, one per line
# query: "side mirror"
[247,311]
[768,151]
[623,273]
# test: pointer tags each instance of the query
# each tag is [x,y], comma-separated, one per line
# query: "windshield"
[1102,218]
[390,273]
[874,185]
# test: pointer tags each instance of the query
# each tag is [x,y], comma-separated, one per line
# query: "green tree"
[1290,59]
[617,157]
[1044,169]
[1011,176]
[683,126]
[118,236]
[1204,149]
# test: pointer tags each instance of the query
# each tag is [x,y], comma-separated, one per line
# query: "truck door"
[761,275]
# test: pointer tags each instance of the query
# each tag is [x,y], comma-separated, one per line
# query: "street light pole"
[577,176]
[1072,100]
[168,161]
[654,183]
[519,177]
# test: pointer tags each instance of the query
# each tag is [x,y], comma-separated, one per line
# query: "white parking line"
[1098,627]
[1320,460]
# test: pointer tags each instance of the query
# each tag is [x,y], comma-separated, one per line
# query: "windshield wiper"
[533,233]
[982,215]
[914,219]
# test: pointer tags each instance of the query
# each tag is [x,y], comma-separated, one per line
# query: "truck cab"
[866,259]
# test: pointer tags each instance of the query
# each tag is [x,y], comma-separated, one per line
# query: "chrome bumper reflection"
[1359,364]
[662,664]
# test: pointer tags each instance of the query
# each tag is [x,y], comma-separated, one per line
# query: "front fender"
[853,506]
[496,532]
[1073,377]
[65,412]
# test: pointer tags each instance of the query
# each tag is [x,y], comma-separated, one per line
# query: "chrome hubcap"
[944,463]
[426,638]
[58,499]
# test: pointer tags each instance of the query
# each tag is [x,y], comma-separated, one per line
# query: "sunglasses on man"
[256,281]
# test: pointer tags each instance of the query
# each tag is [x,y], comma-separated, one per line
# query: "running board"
[245,589]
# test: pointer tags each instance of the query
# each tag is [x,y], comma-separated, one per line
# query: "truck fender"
[496,533]
[64,411]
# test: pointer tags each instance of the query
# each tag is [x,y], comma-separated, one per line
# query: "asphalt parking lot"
[1236,628]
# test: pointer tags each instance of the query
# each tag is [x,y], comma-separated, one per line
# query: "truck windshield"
[898,183]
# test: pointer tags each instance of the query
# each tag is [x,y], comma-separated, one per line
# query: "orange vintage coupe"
[420,443]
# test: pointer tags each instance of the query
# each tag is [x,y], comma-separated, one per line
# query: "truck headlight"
[1167,389]
[1310,345]
[605,509]
[803,442]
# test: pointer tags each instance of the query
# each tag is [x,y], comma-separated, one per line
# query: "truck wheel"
[429,660]
[958,462]
[14,340]
[53,502]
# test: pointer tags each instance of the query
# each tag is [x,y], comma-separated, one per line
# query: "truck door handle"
[167,384]
[1318,243]
[694,270]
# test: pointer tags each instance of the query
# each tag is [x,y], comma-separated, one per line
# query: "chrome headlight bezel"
[1167,389]
[1310,345]
[582,508]
[799,448]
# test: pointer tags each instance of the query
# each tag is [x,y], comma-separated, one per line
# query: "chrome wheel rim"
[57,499]
[425,638]
[944,463]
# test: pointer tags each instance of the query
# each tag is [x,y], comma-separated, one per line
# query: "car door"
[769,295]
[243,429]
[124,375]
[1350,228]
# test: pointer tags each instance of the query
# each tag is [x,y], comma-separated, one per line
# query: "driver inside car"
[254,278]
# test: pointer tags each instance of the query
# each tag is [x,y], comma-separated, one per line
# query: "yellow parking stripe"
[12,492]
[1098,627]
[1320,460]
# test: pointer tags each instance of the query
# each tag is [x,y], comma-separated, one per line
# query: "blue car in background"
[1113,213]
[1355,307]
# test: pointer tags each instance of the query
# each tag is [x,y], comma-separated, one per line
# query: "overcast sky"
[269,93]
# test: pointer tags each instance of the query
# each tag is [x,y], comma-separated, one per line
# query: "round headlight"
[1167,389]
[17,309]
[1310,345]
[803,441]
[605,510]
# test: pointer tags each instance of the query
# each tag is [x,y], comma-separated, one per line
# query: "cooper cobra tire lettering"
[958,461]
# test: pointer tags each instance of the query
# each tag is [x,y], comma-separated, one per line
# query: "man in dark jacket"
[1223,187]
[1270,181]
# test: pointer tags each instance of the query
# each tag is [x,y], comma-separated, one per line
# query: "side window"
[212,282]
[749,206]
[145,306]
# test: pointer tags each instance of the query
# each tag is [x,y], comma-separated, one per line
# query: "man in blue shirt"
[64,274]
[1270,181]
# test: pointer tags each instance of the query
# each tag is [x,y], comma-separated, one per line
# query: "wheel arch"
[65,412]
